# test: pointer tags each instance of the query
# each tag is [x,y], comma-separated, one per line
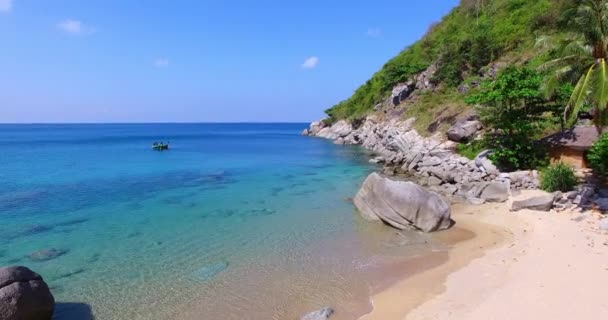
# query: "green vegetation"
[598,156]
[558,177]
[468,39]
[581,58]
[472,149]
[513,106]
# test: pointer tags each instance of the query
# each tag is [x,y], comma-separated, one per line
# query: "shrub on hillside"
[471,149]
[558,177]
[598,156]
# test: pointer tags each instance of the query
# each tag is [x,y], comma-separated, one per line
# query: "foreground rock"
[24,295]
[322,314]
[402,204]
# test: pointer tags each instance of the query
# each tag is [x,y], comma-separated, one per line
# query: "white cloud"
[6,5]
[374,32]
[74,27]
[310,63]
[161,62]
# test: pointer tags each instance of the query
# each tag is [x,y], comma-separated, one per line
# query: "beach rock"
[604,224]
[402,204]
[536,200]
[47,254]
[322,314]
[484,164]
[24,295]
[305,132]
[463,131]
[496,192]
[602,204]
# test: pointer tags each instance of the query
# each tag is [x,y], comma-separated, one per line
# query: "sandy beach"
[524,265]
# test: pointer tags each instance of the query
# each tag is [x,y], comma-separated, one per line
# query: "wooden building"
[571,146]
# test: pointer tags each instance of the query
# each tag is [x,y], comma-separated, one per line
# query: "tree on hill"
[582,59]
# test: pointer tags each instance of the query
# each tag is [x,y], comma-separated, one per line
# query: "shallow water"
[236,221]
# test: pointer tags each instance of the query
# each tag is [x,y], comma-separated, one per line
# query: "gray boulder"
[537,200]
[322,314]
[24,295]
[602,204]
[402,204]
[496,192]
[463,131]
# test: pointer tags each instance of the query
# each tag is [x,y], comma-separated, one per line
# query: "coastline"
[535,261]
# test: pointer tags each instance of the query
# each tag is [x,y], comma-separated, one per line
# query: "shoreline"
[516,257]
[397,300]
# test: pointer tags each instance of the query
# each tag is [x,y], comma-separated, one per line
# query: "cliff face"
[430,79]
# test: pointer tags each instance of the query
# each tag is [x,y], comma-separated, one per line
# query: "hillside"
[430,79]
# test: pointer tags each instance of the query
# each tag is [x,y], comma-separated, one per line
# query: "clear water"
[236,221]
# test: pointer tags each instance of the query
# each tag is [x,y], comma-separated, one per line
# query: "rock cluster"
[585,196]
[429,161]
[24,295]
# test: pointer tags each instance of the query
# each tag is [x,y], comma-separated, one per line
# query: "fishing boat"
[160,146]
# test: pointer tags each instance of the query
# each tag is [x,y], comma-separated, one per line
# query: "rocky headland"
[432,162]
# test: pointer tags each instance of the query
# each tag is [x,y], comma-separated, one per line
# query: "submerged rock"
[209,272]
[24,295]
[322,314]
[47,254]
[402,204]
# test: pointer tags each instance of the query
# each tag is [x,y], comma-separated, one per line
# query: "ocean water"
[236,221]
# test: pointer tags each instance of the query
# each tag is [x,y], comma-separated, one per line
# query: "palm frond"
[578,98]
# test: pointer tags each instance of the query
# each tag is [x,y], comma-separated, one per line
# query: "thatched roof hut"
[571,146]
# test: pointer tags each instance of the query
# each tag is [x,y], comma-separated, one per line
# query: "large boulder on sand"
[402,204]
[24,295]
[537,200]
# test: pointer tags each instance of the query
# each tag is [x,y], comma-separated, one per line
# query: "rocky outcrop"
[402,204]
[24,295]
[338,130]
[432,162]
[322,314]
[463,131]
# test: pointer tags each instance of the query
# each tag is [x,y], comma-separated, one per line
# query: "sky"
[198,60]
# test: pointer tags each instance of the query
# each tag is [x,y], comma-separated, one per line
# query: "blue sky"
[196,61]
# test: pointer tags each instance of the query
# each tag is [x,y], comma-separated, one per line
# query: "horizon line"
[162,122]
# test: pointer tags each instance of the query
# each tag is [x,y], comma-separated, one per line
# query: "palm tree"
[582,58]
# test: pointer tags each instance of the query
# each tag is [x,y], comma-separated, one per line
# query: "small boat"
[160,146]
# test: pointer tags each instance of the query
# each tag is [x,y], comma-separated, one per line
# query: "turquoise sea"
[236,221]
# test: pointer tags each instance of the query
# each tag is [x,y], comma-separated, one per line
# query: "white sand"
[538,266]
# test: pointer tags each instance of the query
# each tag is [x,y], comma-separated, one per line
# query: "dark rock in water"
[24,295]
[94,258]
[134,234]
[32,230]
[322,314]
[211,271]
[47,254]
[70,274]
[71,222]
